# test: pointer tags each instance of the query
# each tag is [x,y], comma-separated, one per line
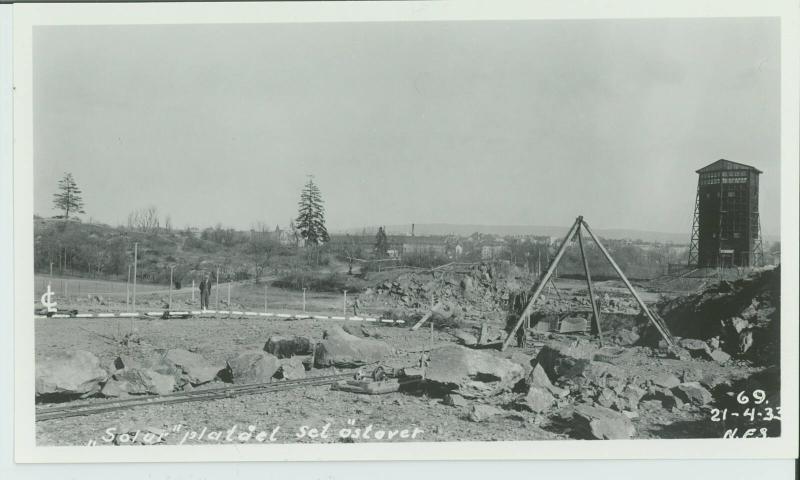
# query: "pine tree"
[68,199]
[311,215]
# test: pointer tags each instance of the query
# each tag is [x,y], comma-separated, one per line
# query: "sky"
[493,123]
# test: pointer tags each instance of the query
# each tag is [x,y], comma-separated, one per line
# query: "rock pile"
[739,319]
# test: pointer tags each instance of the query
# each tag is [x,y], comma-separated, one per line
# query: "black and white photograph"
[403,233]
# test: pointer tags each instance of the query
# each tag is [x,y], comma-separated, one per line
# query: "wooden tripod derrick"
[574,231]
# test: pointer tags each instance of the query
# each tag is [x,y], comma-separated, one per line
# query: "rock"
[599,373]
[340,349]
[711,380]
[455,400]
[285,346]
[678,353]
[560,360]
[466,338]
[160,364]
[606,398]
[691,375]
[666,380]
[537,400]
[196,369]
[519,358]
[123,361]
[696,348]
[483,337]
[739,324]
[138,381]
[626,337]
[602,423]
[670,401]
[481,413]
[251,367]
[574,324]
[629,399]
[471,373]
[538,378]
[69,374]
[693,392]
[292,369]
[719,356]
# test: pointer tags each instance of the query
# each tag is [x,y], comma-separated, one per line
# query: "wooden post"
[128,291]
[171,269]
[265,299]
[135,259]
[543,282]
[344,304]
[661,329]
[304,300]
[229,299]
[193,291]
[216,295]
[595,310]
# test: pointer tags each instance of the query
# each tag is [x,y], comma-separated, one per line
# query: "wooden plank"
[595,310]
[543,282]
[662,329]
[422,320]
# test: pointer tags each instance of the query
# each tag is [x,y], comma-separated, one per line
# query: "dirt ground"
[311,407]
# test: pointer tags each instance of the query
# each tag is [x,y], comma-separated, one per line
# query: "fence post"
[304,300]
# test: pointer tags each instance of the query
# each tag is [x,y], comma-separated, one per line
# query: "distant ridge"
[504,230]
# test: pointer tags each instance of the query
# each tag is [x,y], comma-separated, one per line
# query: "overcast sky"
[496,123]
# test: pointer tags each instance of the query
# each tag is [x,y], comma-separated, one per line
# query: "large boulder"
[561,360]
[601,423]
[196,369]
[250,367]
[137,381]
[69,374]
[289,346]
[537,400]
[538,378]
[693,392]
[471,373]
[292,369]
[481,413]
[340,349]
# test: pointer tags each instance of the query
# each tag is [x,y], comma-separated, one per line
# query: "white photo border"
[27,16]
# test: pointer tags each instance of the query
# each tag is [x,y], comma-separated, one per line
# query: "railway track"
[51,413]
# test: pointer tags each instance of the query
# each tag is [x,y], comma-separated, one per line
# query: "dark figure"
[205,292]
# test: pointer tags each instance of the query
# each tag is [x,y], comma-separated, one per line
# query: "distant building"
[493,250]
[726,231]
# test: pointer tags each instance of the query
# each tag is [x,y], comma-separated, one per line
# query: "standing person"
[205,292]
[356,306]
